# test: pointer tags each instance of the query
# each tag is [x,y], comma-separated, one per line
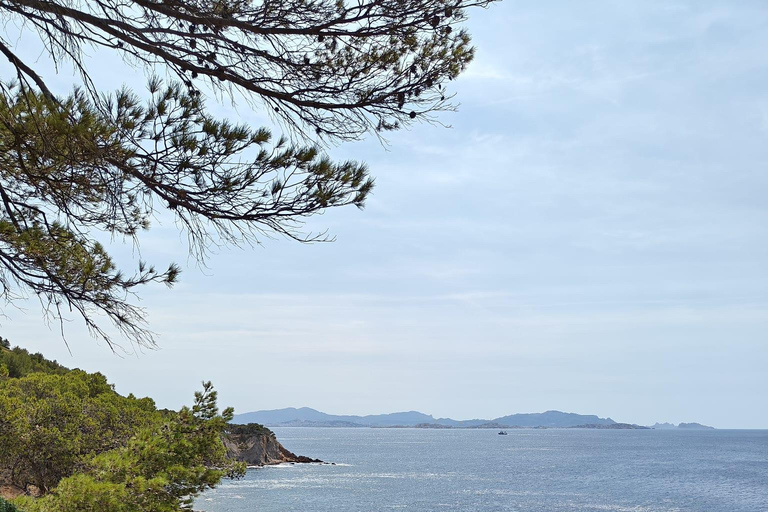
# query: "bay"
[527,471]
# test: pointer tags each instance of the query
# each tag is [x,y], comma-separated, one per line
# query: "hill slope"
[306,417]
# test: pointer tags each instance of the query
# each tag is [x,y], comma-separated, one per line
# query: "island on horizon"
[308,417]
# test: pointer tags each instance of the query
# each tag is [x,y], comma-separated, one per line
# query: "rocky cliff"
[256,445]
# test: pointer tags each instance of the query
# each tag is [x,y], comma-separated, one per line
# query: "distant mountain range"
[306,417]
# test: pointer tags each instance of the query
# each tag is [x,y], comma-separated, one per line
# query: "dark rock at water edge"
[256,445]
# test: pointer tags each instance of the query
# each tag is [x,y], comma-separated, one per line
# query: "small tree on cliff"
[326,70]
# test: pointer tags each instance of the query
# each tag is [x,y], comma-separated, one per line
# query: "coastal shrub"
[160,469]
[68,435]
[20,363]
[249,429]
[80,493]
[51,425]
[7,507]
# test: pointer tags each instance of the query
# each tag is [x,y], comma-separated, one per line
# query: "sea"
[528,470]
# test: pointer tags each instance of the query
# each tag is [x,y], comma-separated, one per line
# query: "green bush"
[7,507]
[20,363]
[161,468]
[88,449]
[248,430]
[52,425]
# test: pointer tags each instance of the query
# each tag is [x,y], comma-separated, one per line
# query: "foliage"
[69,435]
[249,430]
[328,70]
[161,469]
[52,424]
[7,507]
[68,168]
[338,66]
[17,362]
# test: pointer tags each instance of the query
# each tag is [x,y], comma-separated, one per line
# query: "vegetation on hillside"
[17,362]
[251,429]
[7,507]
[68,438]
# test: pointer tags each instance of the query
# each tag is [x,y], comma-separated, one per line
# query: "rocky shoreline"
[256,445]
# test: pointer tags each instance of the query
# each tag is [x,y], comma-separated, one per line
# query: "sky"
[589,235]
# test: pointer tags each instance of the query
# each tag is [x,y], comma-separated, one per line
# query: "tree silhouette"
[326,70]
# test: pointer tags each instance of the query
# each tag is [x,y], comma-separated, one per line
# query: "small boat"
[502,433]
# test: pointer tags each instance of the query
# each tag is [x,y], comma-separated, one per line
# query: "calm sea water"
[526,471]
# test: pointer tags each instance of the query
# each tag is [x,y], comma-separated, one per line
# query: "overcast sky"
[591,235]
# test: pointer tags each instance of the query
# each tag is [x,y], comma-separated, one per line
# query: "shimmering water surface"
[526,471]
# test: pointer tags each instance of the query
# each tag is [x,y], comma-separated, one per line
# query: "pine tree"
[326,70]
